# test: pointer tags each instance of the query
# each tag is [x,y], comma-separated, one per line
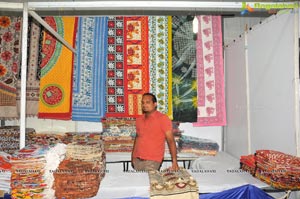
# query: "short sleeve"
[166,123]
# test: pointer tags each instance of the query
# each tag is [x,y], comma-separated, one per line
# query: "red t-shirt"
[150,141]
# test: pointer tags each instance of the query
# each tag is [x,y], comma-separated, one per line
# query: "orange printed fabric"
[136,61]
[56,70]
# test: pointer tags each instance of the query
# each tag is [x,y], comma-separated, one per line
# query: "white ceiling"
[138,7]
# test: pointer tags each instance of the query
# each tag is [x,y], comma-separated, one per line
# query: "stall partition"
[262,75]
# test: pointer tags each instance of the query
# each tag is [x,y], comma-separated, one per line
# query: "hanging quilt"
[210,75]
[127,68]
[10,38]
[136,60]
[33,70]
[116,92]
[90,69]
[160,62]
[57,70]
[184,84]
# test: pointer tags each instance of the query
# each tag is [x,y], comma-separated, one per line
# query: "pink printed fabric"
[210,75]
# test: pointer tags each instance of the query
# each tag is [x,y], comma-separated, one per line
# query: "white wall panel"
[235,133]
[272,92]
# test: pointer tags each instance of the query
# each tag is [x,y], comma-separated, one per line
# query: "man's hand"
[173,151]
[174,167]
[132,162]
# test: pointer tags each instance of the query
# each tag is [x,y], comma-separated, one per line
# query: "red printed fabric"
[247,163]
[136,61]
[116,92]
[5,172]
[280,170]
[127,66]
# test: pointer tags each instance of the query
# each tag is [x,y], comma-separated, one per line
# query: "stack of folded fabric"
[70,137]
[198,146]
[118,134]
[32,170]
[118,143]
[80,173]
[248,164]
[10,136]
[172,185]
[45,138]
[280,170]
[5,172]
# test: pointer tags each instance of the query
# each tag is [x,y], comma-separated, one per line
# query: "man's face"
[148,105]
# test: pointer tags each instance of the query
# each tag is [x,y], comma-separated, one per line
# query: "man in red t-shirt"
[152,129]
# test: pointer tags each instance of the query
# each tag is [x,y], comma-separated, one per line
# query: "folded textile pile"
[78,137]
[279,170]
[118,144]
[118,134]
[198,146]
[5,173]
[45,138]
[247,163]
[81,172]
[118,127]
[10,136]
[32,170]
[86,151]
[172,185]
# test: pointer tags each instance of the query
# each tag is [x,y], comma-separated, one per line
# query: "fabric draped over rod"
[116,62]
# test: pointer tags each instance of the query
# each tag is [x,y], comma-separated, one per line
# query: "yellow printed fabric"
[56,70]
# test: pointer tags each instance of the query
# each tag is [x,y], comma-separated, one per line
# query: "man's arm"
[173,150]
[133,152]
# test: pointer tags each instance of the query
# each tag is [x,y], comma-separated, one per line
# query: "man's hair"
[154,100]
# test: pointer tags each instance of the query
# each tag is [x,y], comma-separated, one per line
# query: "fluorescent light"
[195,25]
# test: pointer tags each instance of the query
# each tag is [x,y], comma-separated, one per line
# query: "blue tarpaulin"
[242,192]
